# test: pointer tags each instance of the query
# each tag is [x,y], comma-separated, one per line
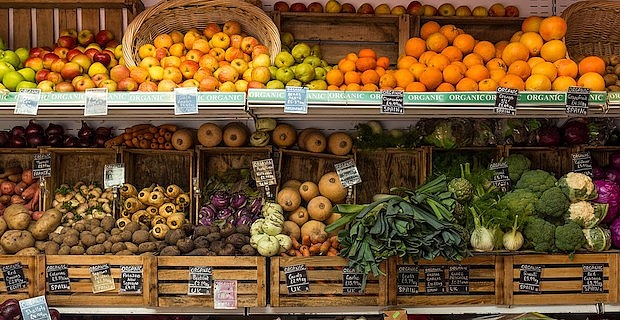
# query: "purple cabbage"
[608,192]
[615,232]
[256,206]
[612,174]
[614,160]
[598,173]
[220,200]
[238,200]
[575,132]
[224,214]
[549,136]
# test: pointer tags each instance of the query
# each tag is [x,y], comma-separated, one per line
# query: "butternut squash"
[339,143]
[308,190]
[319,208]
[235,134]
[331,187]
[301,138]
[316,142]
[182,139]
[315,230]
[209,134]
[289,199]
[284,135]
[299,216]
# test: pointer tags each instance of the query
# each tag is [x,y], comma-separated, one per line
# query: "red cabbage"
[598,173]
[549,136]
[615,232]
[608,192]
[612,174]
[614,160]
[575,132]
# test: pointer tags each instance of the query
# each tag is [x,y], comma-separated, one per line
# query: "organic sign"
[577,100]
[407,281]
[296,100]
[34,309]
[529,278]
[57,276]
[224,294]
[101,276]
[265,172]
[582,162]
[200,281]
[14,278]
[506,101]
[434,278]
[296,278]
[27,101]
[113,175]
[592,278]
[392,101]
[42,165]
[131,279]
[458,279]
[352,281]
[96,102]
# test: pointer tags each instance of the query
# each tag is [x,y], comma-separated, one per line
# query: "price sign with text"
[200,281]
[224,294]
[592,278]
[42,165]
[296,278]
[529,278]
[101,277]
[27,101]
[348,173]
[577,100]
[392,102]
[113,175]
[57,276]
[131,279]
[582,162]
[407,281]
[96,102]
[296,100]
[458,279]
[185,101]
[35,309]
[435,279]
[352,281]
[500,178]
[14,278]
[506,101]
[265,172]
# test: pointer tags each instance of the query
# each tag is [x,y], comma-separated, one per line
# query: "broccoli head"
[519,201]
[569,237]
[517,164]
[540,234]
[537,181]
[552,203]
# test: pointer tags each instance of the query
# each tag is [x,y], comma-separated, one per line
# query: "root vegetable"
[13,241]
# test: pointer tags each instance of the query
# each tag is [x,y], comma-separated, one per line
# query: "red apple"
[298,7]
[210,29]
[61,51]
[314,7]
[37,51]
[69,32]
[72,53]
[64,86]
[188,68]
[34,63]
[414,8]
[112,44]
[66,42]
[235,40]
[84,83]
[71,70]
[281,6]
[41,75]
[83,60]
[54,77]
[247,44]
[231,27]
[161,53]
[91,52]
[147,86]
[97,78]
[102,57]
[103,37]
[85,37]
[348,8]
[208,83]
[366,8]
[119,72]
[127,84]
[512,11]
[58,64]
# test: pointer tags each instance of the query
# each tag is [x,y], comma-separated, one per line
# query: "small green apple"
[28,73]
[10,57]
[304,72]
[287,39]
[285,74]
[4,68]
[284,59]
[11,79]
[300,51]
[313,61]
[273,70]
[25,85]
[275,84]
[294,83]
[320,73]
[315,51]
[22,53]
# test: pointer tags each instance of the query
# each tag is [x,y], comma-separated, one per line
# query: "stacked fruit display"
[302,66]
[13,75]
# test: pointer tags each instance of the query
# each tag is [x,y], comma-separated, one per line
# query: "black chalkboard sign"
[506,101]
[577,100]
[392,102]
[407,281]
[529,278]
[57,276]
[296,278]
[42,165]
[200,282]
[434,278]
[14,278]
[34,309]
[352,281]
[592,278]
[500,178]
[458,279]
[131,279]
[582,163]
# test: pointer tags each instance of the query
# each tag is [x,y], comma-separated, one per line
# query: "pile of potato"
[224,240]
[21,235]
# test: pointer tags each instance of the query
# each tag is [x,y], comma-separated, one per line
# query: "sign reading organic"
[577,100]
[352,281]
[131,279]
[200,281]
[501,178]
[27,102]
[407,280]
[592,278]
[434,278]
[458,279]
[348,173]
[42,165]
[296,100]
[101,277]
[392,102]
[529,278]
[14,278]
[582,162]
[506,101]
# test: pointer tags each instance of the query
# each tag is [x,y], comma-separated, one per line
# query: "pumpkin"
[319,208]
[315,142]
[299,216]
[308,190]
[292,183]
[235,134]
[331,187]
[289,199]
[284,135]
[315,230]
[301,138]
[339,143]
[182,139]
[209,134]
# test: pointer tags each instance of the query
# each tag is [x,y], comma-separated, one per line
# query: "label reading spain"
[224,294]
[96,102]
[392,102]
[529,278]
[14,278]
[101,276]
[42,165]
[200,281]
[348,173]
[296,100]
[296,278]
[113,175]
[27,101]
[458,279]
[500,178]
[185,101]
[592,278]
[582,163]
[265,172]
[131,279]
[352,281]
[506,101]
[35,309]
[577,100]
[434,278]
[407,280]
[57,276]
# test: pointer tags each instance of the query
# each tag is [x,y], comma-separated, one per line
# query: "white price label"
[296,100]
[348,173]
[28,101]
[96,102]
[113,175]
[35,309]
[185,101]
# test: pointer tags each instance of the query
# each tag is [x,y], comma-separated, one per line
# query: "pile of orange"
[359,71]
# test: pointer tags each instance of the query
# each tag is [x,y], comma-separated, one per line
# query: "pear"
[610,79]
[617,70]
[614,59]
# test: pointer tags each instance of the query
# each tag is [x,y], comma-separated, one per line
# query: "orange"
[380,70]
[512,81]
[499,48]
[445,87]
[452,74]
[532,61]
[465,42]
[592,81]
[345,65]
[537,82]
[333,87]
[552,28]
[365,63]
[387,81]
[351,56]
[562,83]
[496,63]
[415,47]
[515,51]
[438,61]
[334,77]
[415,87]
[497,74]
[405,61]
[487,85]
[427,28]
[531,23]
[370,76]
[461,65]
[547,69]
[533,41]
[436,42]
[450,31]
[553,50]
[343,87]
[477,72]
[403,77]
[370,87]
[592,64]
[367,52]
[467,84]
[453,53]
[427,56]
[383,62]
[431,78]
[520,68]
[417,69]
[485,49]
[473,59]
[353,87]
[566,67]
[352,77]
[516,36]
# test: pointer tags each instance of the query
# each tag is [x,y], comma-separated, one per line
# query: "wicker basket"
[182,15]
[592,28]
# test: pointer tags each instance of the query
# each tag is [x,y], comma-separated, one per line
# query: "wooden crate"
[81,292]
[561,279]
[485,282]
[173,278]
[492,29]
[555,160]
[340,33]
[10,157]
[38,23]
[325,282]
[32,266]
[385,168]
[440,160]
[600,154]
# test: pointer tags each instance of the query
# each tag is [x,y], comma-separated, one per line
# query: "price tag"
[458,279]
[27,101]
[113,175]
[200,282]
[407,280]
[592,278]
[35,309]
[434,278]
[506,101]
[352,281]
[57,276]
[14,278]
[265,172]
[296,278]
[392,102]
[582,163]
[577,100]
[42,165]
[96,102]
[224,294]
[529,278]
[348,173]
[500,178]
[296,100]
[101,276]
[131,279]
[185,101]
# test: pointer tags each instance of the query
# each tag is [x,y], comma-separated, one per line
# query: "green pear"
[324,63]
[287,39]
[320,73]
[315,51]
[272,70]
[4,68]
[25,85]
[284,59]
[300,51]
[313,61]
[10,57]
[285,74]
[22,53]
[275,84]
[11,79]
[294,83]
[28,73]
[304,72]
[317,85]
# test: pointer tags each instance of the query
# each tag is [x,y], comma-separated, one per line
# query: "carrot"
[298,253]
[168,146]
[154,145]
[153,129]
[116,140]
[332,252]
[315,249]
[161,139]
[139,132]
[291,252]
[335,242]
[305,251]
[168,136]
[305,240]
[148,136]
[129,143]
[169,127]
[135,142]
[144,144]
[138,127]
[295,243]
[325,247]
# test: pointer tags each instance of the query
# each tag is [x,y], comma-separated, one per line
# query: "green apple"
[285,74]
[28,73]
[22,53]
[300,51]
[284,59]
[324,63]
[317,85]
[287,39]
[25,85]
[10,57]
[11,79]
[275,84]
[4,68]
[313,61]
[272,70]
[320,73]
[315,51]
[294,83]
[304,72]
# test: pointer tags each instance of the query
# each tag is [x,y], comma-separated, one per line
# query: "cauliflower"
[569,237]
[577,186]
[597,239]
[536,181]
[552,203]
[517,164]
[587,214]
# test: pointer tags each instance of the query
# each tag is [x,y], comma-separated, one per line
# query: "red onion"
[18,142]
[55,140]
[34,128]
[54,130]
[18,131]
[86,132]
[84,143]
[100,140]
[35,140]
[5,138]
[54,314]
[70,141]
[549,136]
[104,131]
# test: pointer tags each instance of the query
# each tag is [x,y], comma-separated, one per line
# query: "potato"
[30,251]
[3,225]
[14,240]
[49,221]
[51,248]
[17,217]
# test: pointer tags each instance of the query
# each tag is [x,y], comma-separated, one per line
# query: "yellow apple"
[156,72]
[383,8]
[241,85]
[262,60]
[96,68]
[228,86]
[166,85]
[146,50]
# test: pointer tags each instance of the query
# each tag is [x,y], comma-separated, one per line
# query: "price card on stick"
[348,173]
[35,309]
[582,163]
[265,175]
[296,100]
[296,278]
[224,294]
[57,277]
[42,165]
[96,102]
[101,277]
[506,101]
[27,101]
[113,175]
[392,102]
[185,101]
[577,100]
[131,279]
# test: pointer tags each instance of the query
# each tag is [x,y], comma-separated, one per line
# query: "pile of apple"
[298,64]
[12,65]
